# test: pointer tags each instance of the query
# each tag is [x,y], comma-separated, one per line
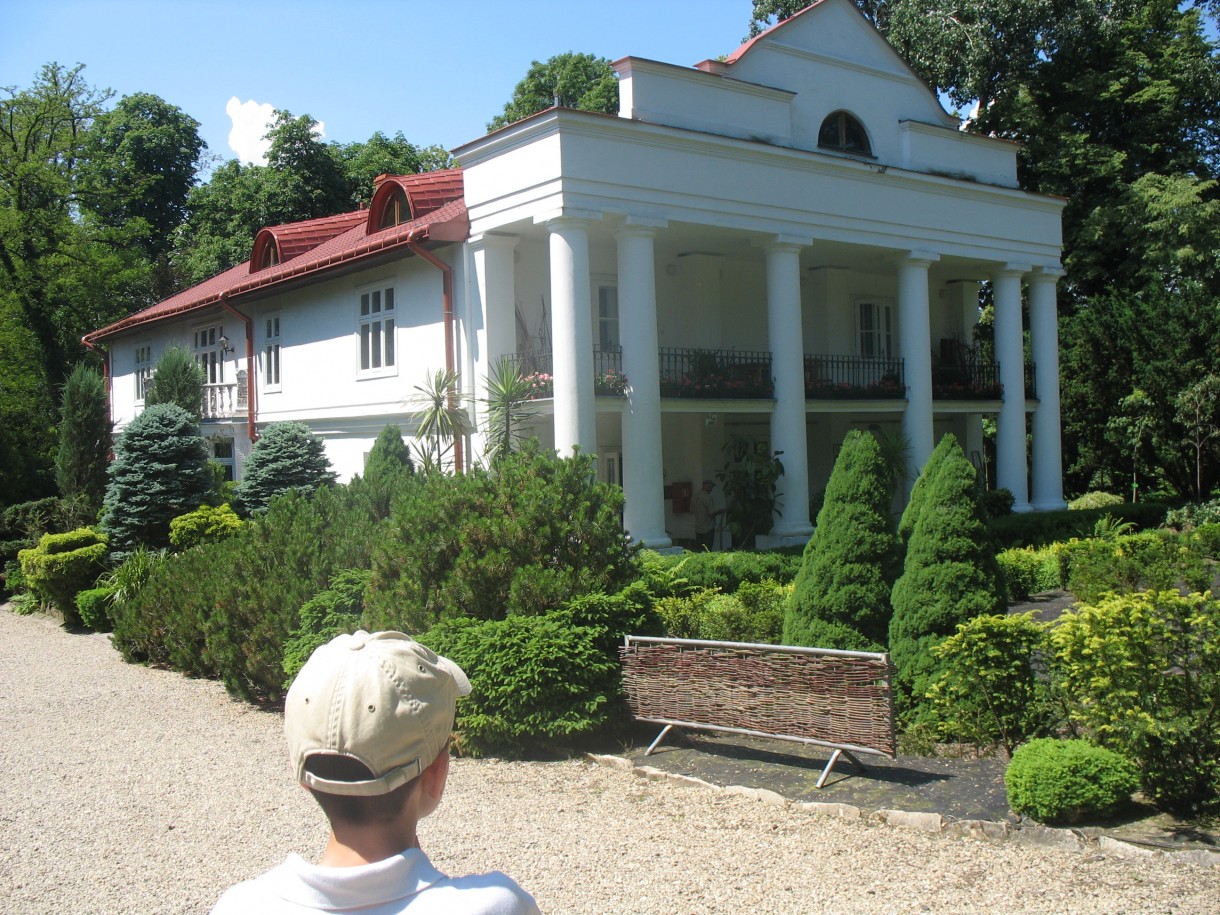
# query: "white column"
[572,334]
[915,343]
[492,317]
[1047,492]
[643,474]
[1012,471]
[788,368]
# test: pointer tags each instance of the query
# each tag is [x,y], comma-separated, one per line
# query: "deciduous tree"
[568,80]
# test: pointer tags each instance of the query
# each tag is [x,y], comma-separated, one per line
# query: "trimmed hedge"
[753,613]
[948,577]
[61,566]
[94,607]
[534,679]
[726,571]
[207,522]
[1066,781]
[1043,528]
[1028,571]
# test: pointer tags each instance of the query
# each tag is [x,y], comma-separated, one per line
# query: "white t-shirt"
[406,884]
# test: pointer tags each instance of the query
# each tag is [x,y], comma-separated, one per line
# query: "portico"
[755,277]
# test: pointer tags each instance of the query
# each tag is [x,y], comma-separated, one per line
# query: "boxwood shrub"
[61,566]
[1028,571]
[535,681]
[1066,781]
[93,605]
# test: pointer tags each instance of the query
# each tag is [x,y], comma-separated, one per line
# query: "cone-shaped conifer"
[841,597]
[949,576]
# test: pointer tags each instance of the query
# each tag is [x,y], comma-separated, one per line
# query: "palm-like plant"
[507,393]
[441,420]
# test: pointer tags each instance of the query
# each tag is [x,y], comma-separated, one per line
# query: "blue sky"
[437,72]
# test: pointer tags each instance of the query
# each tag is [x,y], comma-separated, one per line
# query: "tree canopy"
[567,80]
[304,178]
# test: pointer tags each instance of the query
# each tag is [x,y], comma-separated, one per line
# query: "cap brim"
[459,675]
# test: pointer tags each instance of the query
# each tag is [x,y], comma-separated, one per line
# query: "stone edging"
[984,830]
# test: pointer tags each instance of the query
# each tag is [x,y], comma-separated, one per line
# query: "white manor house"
[781,245]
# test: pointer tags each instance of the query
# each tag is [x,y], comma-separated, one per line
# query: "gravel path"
[129,790]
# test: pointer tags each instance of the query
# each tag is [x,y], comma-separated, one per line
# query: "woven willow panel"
[824,697]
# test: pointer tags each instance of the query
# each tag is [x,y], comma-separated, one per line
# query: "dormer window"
[268,257]
[396,210]
[266,251]
[843,132]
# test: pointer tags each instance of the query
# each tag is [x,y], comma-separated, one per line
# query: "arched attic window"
[266,251]
[842,131]
[395,209]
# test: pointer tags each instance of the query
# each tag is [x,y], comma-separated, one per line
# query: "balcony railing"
[742,374]
[715,373]
[853,377]
[538,368]
[967,379]
[226,399]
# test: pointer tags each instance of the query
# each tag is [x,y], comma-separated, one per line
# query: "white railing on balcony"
[225,400]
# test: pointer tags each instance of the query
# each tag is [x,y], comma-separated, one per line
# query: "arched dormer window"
[395,210]
[266,251]
[842,131]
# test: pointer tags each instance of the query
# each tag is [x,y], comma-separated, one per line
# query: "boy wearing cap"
[368,721]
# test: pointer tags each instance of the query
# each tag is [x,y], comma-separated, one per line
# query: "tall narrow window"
[607,318]
[209,355]
[377,331]
[271,353]
[143,370]
[876,323]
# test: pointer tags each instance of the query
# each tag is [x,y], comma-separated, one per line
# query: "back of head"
[368,713]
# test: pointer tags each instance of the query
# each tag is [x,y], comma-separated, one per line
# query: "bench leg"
[834,758]
[652,746]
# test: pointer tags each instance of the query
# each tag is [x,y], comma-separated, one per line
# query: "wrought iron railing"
[715,373]
[538,368]
[967,379]
[850,377]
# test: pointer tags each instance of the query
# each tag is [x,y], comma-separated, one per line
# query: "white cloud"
[251,121]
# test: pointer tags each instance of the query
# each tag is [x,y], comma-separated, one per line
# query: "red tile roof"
[295,238]
[445,220]
[720,66]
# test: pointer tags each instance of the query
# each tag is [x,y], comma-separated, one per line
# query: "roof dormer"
[275,245]
[399,199]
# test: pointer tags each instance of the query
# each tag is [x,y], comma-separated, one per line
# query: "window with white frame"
[875,325]
[607,318]
[209,353]
[271,353]
[376,329]
[143,370]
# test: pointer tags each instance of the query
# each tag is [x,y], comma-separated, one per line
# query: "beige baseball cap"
[382,699]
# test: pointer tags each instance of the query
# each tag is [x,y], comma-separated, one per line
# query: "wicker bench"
[841,700]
